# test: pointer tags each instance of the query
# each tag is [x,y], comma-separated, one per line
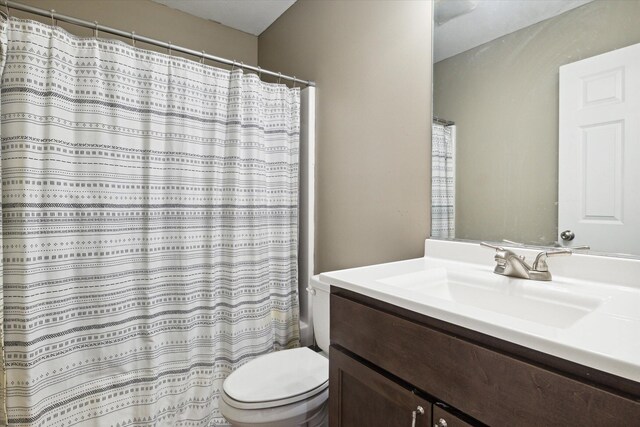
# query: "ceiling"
[464,24]
[250,16]
[460,24]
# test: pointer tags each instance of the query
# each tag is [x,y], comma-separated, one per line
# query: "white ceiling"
[250,16]
[471,23]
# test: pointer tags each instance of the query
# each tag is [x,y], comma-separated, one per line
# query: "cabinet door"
[444,418]
[360,396]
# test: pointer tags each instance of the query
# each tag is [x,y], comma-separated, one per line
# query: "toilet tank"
[320,312]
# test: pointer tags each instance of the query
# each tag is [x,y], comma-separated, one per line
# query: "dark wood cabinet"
[365,397]
[383,358]
[444,418]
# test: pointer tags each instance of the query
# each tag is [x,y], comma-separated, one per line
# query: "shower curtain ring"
[133,38]
[294,82]
[169,48]
[259,72]
[202,57]
[95,29]
[279,77]
[6,6]
[233,65]
[53,19]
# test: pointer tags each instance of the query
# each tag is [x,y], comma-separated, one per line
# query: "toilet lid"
[278,376]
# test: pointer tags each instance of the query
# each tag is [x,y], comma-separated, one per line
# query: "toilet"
[286,388]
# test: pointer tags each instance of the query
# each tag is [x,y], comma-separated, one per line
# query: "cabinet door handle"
[441,423]
[419,411]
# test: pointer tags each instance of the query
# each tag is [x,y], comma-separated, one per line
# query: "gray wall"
[156,21]
[372,63]
[503,96]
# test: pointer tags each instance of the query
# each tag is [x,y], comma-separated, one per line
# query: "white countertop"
[592,322]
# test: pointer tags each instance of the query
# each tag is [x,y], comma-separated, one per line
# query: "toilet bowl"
[288,388]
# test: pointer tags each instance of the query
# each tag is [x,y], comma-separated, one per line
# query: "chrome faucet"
[508,263]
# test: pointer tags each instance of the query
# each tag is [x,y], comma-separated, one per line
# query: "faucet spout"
[508,263]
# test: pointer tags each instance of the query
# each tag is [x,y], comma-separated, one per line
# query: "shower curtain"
[443,181]
[149,210]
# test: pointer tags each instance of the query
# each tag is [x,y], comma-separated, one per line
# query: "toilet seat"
[310,412]
[277,379]
[274,403]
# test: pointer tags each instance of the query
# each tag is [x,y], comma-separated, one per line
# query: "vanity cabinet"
[385,361]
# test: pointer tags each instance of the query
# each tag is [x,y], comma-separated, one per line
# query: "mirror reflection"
[536,132]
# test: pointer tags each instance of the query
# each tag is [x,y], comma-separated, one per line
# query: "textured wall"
[503,96]
[156,21]
[372,63]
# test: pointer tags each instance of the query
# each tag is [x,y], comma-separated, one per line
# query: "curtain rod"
[134,37]
[443,121]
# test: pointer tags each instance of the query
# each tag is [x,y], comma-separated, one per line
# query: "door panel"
[360,396]
[599,151]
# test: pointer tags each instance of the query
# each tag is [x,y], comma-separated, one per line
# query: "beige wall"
[156,21]
[503,96]
[372,64]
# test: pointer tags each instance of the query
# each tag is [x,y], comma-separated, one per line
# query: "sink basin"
[547,303]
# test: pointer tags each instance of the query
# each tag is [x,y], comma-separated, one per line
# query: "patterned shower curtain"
[149,229]
[443,188]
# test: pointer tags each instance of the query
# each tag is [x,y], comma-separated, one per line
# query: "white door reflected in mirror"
[599,152]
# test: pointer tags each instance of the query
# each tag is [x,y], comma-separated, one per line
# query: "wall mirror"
[536,132]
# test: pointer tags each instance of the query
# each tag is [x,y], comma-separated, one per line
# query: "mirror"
[496,144]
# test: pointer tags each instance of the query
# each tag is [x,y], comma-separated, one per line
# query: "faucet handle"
[489,245]
[540,264]
[501,254]
[511,242]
